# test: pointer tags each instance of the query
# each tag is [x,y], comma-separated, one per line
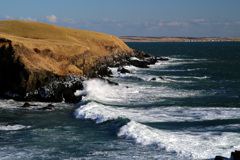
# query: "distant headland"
[178,39]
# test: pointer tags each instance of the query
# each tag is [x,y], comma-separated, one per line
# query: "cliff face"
[32,54]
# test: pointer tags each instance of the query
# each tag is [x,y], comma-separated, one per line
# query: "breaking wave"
[106,103]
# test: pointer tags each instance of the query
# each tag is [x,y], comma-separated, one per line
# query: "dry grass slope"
[53,48]
[55,34]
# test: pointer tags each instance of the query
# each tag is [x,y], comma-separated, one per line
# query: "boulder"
[49,107]
[26,104]
[140,64]
[220,158]
[11,124]
[123,70]
[112,83]
[162,59]
[235,155]
[153,79]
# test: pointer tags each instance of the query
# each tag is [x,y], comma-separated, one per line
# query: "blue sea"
[184,108]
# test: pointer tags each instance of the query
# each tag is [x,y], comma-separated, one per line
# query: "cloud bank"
[52,18]
[198,27]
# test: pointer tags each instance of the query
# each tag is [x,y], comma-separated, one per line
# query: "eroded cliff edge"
[33,55]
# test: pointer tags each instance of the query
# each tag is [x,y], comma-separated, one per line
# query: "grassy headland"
[32,53]
[54,46]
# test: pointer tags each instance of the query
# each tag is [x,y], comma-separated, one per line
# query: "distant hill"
[177,39]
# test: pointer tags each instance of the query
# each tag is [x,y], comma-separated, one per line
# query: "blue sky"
[177,18]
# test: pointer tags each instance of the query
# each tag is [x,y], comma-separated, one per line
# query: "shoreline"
[179,39]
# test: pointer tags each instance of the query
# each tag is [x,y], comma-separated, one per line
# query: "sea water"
[184,108]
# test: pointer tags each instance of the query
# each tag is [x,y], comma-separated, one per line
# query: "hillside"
[33,53]
[63,43]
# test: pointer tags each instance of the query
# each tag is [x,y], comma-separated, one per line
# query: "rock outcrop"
[234,156]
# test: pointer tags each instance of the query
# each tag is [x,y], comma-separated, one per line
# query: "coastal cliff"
[32,54]
[43,62]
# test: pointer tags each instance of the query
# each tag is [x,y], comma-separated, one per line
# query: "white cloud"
[52,18]
[198,20]
[237,22]
[177,24]
[119,25]
[67,21]
[28,19]
[8,17]
[109,20]
[201,21]
[160,24]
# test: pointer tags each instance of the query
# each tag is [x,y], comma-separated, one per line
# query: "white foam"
[8,104]
[175,62]
[171,62]
[187,144]
[121,75]
[96,112]
[101,91]
[13,127]
[135,58]
[101,113]
[132,68]
[198,145]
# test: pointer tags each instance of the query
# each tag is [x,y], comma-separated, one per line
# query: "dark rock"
[36,50]
[140,64]
[147,55]
[112,83]
[11,124]
[59,90]
[235,155]
[163,59]
[104,72]
[28,105]
[123,70]
[153,79]
[161,78]
[46,108]
[51,105]
[220,158]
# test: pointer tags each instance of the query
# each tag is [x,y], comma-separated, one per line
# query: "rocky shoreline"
[43,62]
[62,88]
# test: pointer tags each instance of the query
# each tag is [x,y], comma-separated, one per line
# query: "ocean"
[184,108]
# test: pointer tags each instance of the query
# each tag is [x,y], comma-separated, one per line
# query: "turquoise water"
[184,108]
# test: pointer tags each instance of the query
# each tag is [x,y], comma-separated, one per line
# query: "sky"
[153,18]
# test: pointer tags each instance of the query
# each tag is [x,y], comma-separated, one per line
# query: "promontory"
[35,57]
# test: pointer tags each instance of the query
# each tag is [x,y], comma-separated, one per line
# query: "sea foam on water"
[101,107]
